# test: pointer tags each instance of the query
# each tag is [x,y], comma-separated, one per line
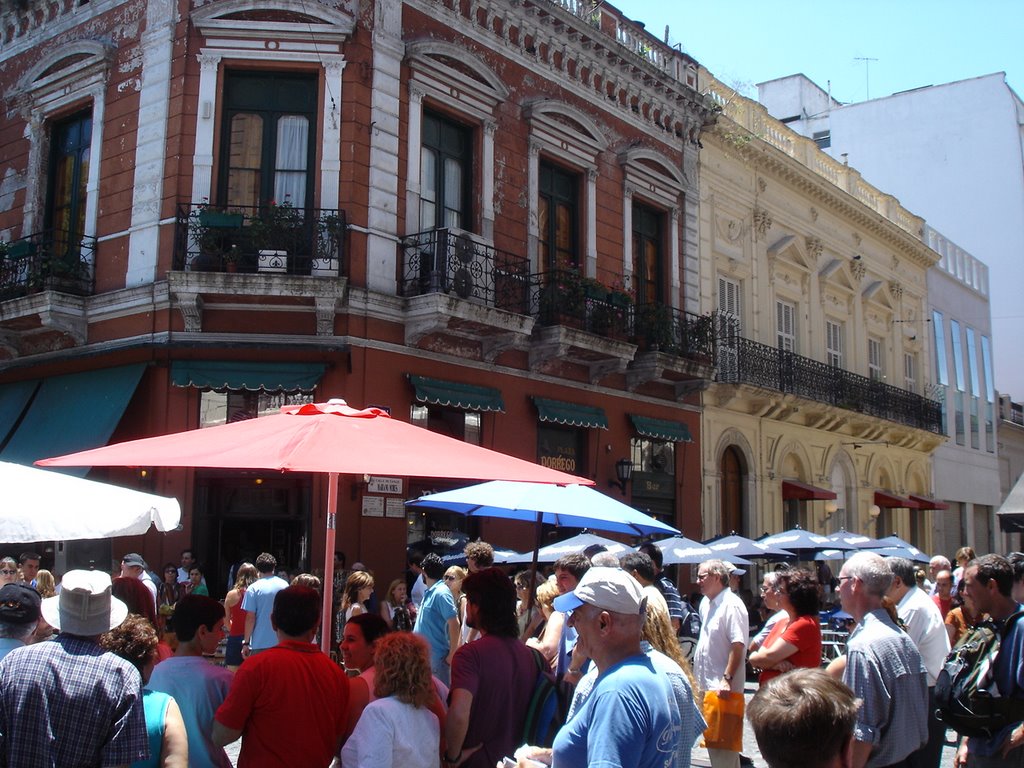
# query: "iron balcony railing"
[563,297]
[456,263]
[271,238]
[742,361]
[49,260]
[670,330]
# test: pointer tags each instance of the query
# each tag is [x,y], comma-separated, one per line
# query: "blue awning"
[13,399]
[73,413]
[229,374]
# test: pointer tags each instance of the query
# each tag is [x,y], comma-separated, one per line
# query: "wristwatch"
[727,677]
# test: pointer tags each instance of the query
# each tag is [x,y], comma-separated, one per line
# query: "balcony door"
[70,141]
[268,139]
[557,218]
[446,164]
[647,254]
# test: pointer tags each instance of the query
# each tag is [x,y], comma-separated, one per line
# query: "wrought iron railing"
[675,332]
[742,361]
[271,238]
[563,297]
[457,263]
[48,260]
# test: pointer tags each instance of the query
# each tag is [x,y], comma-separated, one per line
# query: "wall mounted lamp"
[874,511]
[624,473]
[830,509]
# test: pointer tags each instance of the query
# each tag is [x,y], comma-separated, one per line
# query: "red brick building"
[480,215]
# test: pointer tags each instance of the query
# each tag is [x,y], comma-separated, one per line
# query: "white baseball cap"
[610,589]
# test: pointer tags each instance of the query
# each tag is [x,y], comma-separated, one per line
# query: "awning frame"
[888,500]
[247,375]
[571,414]
[794,489]
[456,394]
[661,429]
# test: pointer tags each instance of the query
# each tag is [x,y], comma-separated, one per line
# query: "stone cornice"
[768,159]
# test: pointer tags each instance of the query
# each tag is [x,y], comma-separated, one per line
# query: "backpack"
[689,630]
[966,695]
[547,708]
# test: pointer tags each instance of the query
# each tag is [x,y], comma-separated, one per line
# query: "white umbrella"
[679,550]
[42,505]
[575,545]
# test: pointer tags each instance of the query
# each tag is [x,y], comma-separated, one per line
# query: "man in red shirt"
[943,596]
[290,703]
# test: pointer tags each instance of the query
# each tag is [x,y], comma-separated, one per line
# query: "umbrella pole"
[538,535]
[326,628]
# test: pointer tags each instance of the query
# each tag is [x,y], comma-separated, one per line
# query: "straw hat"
[84,606]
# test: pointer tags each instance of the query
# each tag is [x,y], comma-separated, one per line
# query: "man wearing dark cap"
[134,567]
[19,615]
[67,701]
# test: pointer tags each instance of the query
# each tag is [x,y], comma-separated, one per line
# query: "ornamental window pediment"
[652,175]
[789,252]
[75,66]
[452,76]
[565,133]
[279,20]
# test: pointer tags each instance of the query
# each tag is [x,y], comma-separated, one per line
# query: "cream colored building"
[823,356]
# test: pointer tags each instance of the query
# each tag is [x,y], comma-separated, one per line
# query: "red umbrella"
[330,438]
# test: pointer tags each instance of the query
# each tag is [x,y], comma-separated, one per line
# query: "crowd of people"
[447,669]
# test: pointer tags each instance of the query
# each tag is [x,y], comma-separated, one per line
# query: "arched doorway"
[733,479]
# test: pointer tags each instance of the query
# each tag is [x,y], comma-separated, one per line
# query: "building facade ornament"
[858,270]
[762,222]
[814,247]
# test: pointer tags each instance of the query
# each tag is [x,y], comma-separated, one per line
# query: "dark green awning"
[13,399]
[73,413]
[661,429]
[455,394]
[571,414]
[225,374]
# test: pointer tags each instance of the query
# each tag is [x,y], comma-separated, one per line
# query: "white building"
[952,153]
[966,467]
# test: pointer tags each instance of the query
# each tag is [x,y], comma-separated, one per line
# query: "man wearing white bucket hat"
[69,702]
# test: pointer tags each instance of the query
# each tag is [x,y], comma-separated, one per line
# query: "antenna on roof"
[867,74]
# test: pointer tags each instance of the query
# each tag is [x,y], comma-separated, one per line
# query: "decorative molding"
[814,213]
[856,238]
[326,307]
[762,185]
[191,307]
[762,222]
[814,247]
[896,289]
[858,269]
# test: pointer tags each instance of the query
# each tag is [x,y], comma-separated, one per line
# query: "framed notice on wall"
[373,506]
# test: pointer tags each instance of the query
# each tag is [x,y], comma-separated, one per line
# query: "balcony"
[45,279]
[459,288]
[581,321]
[676,348]
[47,261]
[742,361]
[272,239]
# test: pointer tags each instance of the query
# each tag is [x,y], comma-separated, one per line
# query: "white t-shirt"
[724,622]
[392,733]
[926,628]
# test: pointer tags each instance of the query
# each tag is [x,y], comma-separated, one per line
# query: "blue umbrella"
[894,546]
[573,506]
[803,544]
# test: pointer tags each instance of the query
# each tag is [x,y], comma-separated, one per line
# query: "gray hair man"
[631,716]
[924,624]
[883,668]
[719,660]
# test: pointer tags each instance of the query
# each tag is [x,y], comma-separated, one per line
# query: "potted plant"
[276,232]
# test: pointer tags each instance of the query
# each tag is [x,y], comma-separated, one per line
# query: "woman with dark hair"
[135,641]
[139,600]
[168,593]
[795,642]
[195,584]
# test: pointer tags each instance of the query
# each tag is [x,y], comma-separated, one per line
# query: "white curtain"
[290,165]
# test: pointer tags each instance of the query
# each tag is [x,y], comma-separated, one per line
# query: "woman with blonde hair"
[398,729]
[547,591]
[453,580]
[392,607]
[531,619]
[246,576]
[45,584]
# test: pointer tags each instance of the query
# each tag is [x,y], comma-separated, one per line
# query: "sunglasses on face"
[8,572]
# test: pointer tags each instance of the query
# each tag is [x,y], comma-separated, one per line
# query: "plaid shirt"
[68,702]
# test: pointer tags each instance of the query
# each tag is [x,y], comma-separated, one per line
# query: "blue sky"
[916,42]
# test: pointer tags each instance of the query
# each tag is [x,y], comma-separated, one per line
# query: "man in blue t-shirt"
[258,602]
[630,719]
[438,619]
